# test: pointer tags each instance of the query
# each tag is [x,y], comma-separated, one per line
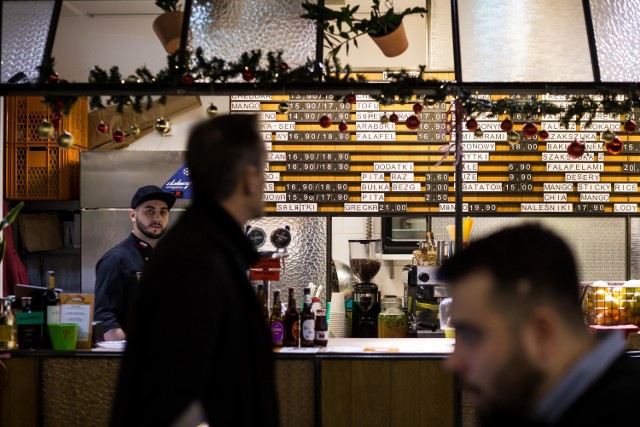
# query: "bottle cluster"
[293,328]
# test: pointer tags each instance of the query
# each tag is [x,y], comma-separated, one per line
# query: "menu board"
[374,168]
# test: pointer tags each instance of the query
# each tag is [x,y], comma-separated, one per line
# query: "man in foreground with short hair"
[522,349]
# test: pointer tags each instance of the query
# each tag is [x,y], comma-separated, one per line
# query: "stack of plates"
[337,316]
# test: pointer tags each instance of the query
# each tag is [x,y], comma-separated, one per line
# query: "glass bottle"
[29,326]
[392,322]
[8,328]
[307,321]
[51,307]
[322,333]
[263,303]
[277,321]
[291,322]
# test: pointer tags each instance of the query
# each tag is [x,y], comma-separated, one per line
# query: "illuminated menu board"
[375,168]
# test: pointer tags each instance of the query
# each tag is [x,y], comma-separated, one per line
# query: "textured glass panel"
[616,27]
[440,36]
[25,28]
[599,243]
[524,41]
[228,28]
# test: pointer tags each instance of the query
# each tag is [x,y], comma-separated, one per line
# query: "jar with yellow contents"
[392,321]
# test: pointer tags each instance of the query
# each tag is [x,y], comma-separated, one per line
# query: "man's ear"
[132,215]
[540,333]
[251,180]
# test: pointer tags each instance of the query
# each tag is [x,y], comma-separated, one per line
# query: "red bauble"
[343,126]
[325,121]
[630,126]
[576,149]
[614,146]
[103,127]
[472,124]
[543,134]
[118,135]
[417,108]
[412,122]
[506,125]
[284,67]
[58,105]
[393,118]
[247,75]
[54,77]
[529,130]
[187,79]
[350,99]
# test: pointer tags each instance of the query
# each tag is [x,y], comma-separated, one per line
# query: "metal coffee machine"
[365,259]
[423,291]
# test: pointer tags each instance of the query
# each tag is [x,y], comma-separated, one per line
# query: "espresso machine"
[365,259]
[423,291]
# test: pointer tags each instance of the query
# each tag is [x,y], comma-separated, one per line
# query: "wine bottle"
[307,321]
[291,322]
[263,303]
[51,307]
[277,321]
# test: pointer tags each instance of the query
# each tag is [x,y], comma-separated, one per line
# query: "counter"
[352,382]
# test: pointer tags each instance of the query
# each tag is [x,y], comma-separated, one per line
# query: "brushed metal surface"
[101,188]
[616,27]
[524,41]
[599,244]
[634,248]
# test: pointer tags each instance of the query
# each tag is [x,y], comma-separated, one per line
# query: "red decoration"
[350,99]
[343,126]
[54,77]
[417,108]
[393,118]
[472,124]
[630,126]
[506,125]
[576,149]
[187,79]
[529,130]
[325,121]
[118,135]
[58,105]
[284,67]
[103,128]
[412,122]
[543,134]
[247,75]
[614,146]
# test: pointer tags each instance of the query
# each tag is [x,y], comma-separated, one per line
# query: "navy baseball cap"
[152,192]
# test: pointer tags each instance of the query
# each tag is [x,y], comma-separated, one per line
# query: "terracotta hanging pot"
[394,43]
[168,28]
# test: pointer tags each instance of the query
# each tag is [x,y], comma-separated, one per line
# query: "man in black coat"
[197,341]
[522,349]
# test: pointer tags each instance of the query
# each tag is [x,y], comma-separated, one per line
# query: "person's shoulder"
[117,251]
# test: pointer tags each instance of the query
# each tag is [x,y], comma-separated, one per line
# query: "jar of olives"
[392,321]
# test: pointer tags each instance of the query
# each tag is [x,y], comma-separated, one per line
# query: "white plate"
[114,345]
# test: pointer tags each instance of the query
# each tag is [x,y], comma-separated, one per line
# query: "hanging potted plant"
[168,26]
[342,27]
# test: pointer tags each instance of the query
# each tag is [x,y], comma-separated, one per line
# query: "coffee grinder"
[365,259]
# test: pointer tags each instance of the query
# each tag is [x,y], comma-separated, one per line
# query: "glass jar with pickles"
[392,321]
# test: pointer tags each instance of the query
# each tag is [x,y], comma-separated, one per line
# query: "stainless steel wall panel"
[598,243]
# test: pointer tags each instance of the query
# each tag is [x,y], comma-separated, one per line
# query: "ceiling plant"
[343,27]
[168,26]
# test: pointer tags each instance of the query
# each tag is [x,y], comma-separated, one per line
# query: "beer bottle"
[277,321]
[51,307]
[322,334]
[8,329]
[307,320]
[291,322]
[263,304]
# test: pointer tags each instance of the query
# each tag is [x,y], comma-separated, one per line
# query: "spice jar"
[392,322]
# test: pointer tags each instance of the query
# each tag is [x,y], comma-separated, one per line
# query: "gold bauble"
[212,110]
[162,126]
[283,107]
[65,139]
[478,133]
[513,138]
[45,129]
[135,130]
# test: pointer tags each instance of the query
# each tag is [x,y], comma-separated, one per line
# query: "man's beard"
[148,232]
[516,386]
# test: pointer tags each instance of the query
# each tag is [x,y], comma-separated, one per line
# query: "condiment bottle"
[392,322]
[307,322]
[277,321]
[8,328]
[291,322]
[322,333]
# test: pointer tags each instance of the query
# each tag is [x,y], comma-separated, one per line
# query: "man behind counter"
[117,270]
